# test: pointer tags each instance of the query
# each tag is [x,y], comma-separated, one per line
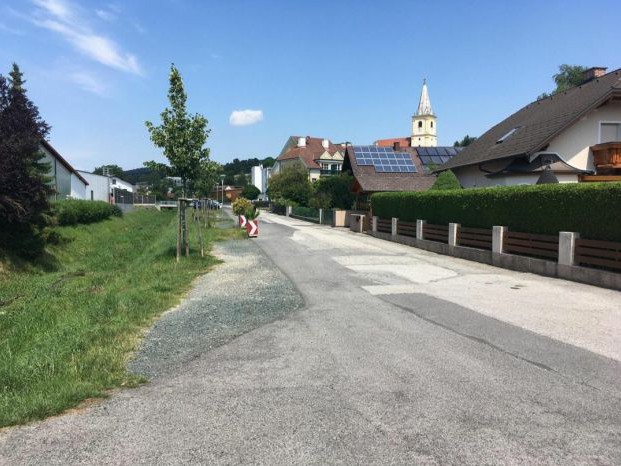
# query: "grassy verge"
[68,326]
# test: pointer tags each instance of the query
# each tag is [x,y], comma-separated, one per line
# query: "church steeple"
[424,122]
[424,105]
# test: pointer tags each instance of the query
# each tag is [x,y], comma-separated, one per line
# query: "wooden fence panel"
[528,244]
[437,233]
[479,238]
[406,228]
[598,254]
[384,225]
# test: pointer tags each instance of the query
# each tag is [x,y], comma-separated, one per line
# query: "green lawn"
[68,328]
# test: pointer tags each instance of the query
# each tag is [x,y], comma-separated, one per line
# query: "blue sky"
[343,69]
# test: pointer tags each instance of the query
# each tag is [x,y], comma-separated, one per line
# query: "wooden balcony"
[607,158]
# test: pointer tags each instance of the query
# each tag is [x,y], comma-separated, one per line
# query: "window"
[431,123]
[508,135]
[113,180]
[92,195]
[420,124]
[610,132]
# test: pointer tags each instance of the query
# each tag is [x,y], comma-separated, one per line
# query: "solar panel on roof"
[384,159]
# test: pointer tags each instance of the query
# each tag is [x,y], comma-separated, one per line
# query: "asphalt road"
[398,357]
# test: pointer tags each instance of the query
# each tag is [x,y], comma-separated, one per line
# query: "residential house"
[66,182]
[106,188]
[259,176]
[379,169]
[319,156]
[571,136]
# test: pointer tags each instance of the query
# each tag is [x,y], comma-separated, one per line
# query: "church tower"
[424,122]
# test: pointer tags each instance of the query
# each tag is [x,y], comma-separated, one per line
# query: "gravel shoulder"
[244,292]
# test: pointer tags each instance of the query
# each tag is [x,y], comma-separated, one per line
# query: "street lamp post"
[222,188]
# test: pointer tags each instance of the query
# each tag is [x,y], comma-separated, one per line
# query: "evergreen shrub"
[591,209]
[74,211]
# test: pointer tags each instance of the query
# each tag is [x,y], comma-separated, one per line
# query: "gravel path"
[245,292]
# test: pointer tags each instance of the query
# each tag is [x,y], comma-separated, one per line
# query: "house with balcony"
[319,156]
[569,137]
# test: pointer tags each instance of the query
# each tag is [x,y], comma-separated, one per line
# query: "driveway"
[398,356]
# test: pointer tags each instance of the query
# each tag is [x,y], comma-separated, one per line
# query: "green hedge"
[592,209]
[72,212]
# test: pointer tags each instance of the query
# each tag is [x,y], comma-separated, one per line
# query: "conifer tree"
[24,188]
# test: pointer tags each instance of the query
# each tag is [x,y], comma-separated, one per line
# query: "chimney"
[396,145]
[593,73]
[326,144]
[301,142]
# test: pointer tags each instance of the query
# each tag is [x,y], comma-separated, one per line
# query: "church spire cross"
[424,106]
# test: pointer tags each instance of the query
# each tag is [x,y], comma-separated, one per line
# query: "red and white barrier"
[252,227]
[242,221]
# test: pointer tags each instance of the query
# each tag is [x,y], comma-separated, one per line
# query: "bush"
[588,208]
[72,212]
[251,192]
[446,180]
[240,205]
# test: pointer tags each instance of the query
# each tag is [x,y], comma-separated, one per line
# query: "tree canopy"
[251,192]
[291,186]
[333,192]
[466,141]
[114,170]
[568,76]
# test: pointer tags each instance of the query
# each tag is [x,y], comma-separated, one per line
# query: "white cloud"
[89,82]
[105,15]
[245,117]
[63,18]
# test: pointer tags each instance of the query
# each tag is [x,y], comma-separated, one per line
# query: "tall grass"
[66,334]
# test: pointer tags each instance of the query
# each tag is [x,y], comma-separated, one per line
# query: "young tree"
[24,188]
[182,137]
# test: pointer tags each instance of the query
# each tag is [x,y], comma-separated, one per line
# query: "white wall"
[97,184]
[78,188]
[573,144]
[472,177]
[256,176]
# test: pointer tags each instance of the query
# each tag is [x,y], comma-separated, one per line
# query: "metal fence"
[306,213]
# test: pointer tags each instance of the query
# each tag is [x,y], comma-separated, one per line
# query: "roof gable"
[536,124]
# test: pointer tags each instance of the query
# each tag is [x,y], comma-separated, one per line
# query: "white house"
[259,176]
[101,188]
[66,182]
[568,137]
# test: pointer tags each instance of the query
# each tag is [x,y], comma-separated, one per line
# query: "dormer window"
[508,135]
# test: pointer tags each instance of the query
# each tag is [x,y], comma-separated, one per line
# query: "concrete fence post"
[288,211]
[320,216]
[420,227]
[567,247]
[498,238]
[394,226]
[374,224]
[452,234]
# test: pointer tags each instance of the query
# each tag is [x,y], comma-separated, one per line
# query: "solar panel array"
[384,159]
[436,156]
